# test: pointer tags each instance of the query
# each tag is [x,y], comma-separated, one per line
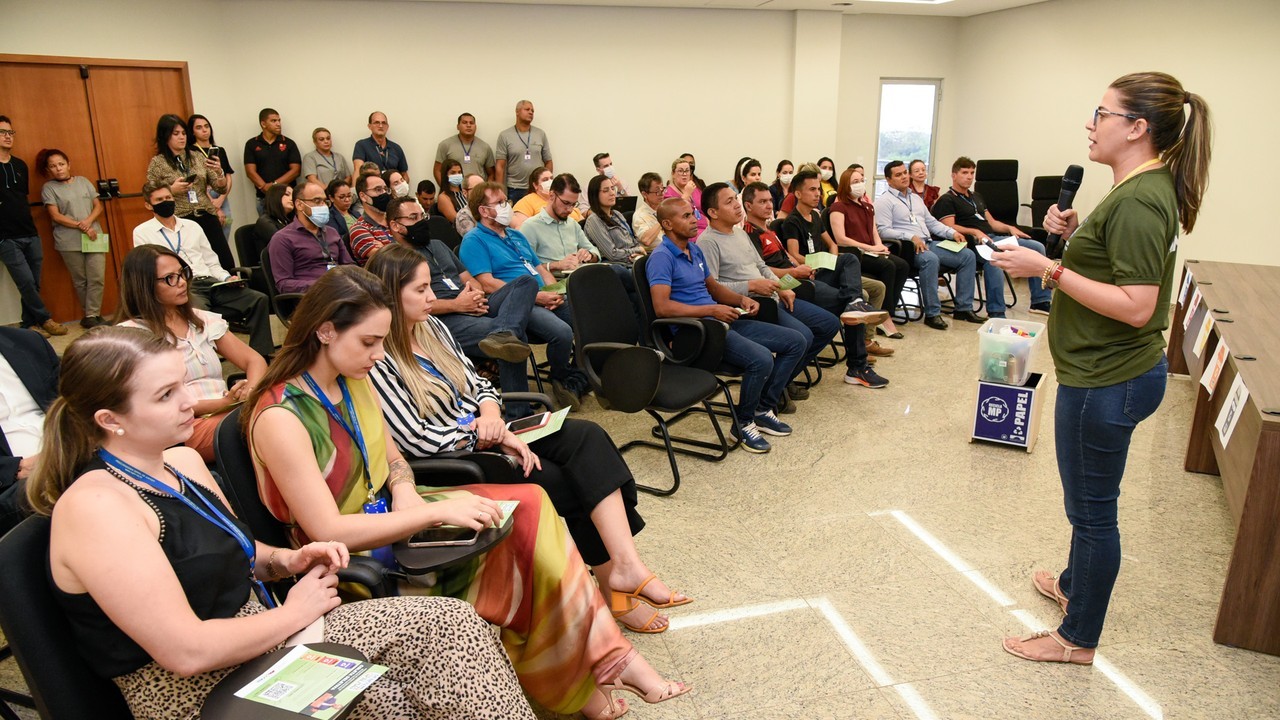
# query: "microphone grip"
[1066,196]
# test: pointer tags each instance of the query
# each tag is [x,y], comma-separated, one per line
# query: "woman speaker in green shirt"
[1105,330]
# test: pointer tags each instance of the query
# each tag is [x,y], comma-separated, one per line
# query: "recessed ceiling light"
[910,2]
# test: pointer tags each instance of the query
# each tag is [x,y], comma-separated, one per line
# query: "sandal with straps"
[665,691]
[627,605]
[1039,578]
[1066,649]
[613,709]
[638,595]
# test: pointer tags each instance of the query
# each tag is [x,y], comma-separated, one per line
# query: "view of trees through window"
[908,122]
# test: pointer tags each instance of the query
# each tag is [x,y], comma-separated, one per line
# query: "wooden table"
[1242,300]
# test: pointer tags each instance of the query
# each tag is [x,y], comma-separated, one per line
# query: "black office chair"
[626,204]
[444,231]
[282,303]
[997,180]
[1044,195]
[62,685]
[629,378]
[248,250]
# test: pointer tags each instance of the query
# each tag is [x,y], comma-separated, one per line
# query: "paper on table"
[1213,368]
[101,245]
[1191,309]
[1203,337]
[312,683]
[1186,285]
[553,425]
[788,282]
[1232,406]
[952,245]
[820,261]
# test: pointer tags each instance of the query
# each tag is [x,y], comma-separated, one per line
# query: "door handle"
[104,189]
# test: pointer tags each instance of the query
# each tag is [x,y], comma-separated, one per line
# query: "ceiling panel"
[953,8]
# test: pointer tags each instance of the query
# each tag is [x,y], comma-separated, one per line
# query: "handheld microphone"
[1067,195]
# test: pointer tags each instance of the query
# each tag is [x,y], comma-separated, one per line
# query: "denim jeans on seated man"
[555,328]
[816,325]
[962,264]
[24,257]
[769,356]
[509,311]
[994,281]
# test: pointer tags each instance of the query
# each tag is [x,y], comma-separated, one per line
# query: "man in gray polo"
[474,154]
[521,149]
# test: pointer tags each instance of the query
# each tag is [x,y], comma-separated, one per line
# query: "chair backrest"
[640,276]
[701,350]
[1044,193]
[247,250]
[601,310]
[998,183]
[444,231]
[61,681]
[240,485]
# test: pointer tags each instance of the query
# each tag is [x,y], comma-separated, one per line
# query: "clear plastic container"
[1007,349]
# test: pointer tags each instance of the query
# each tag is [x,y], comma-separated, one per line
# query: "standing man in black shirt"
[271,158]
[20,246]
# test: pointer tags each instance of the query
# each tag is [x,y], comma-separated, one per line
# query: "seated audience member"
[746,172]
[556,239]
[494,326]
[163,587]
[206,287]
[323,165]
[277,212]
[74,208]
[644,222]
[318,466]
[308,247]
[189,176]
[919,174]
[397,182]
[853,225]
[962,208]
[426,194]
[604,167]
[370,231]
[607,228]
[536,199]
[781,186]
[163,307]
[28,385]
[736,265]
[693,170]
[901,215]
[428,388]
[454,198]
[341,197]
[789,202]
[683,186]
[380,150]
[465,221]
[682,286]
[474,154]
[827,174]
[496,255]
[802,235]
[270,158]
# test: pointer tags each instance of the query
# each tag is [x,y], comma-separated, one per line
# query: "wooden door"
[103,113]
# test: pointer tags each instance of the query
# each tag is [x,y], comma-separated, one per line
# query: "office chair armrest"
[597,355]
[694,325]
[243,271]
[533,398]
[464,467]
[630,376]
[367,572]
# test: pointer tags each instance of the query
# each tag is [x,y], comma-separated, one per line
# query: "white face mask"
[401,189]
[545,185]
[455,180]
[608,172]
[502,214]
[785,178]
[826,174]
[858,189]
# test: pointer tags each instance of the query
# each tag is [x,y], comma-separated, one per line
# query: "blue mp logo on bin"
[1004,413]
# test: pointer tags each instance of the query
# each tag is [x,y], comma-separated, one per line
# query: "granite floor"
[870,564]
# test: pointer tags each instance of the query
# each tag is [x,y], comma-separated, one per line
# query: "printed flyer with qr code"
[312,683]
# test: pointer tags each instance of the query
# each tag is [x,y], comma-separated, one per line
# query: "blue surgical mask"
[320,215]
[455,180]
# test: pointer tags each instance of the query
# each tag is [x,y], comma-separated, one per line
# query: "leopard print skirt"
[444,664]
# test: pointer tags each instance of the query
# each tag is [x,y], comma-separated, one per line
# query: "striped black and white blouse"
[438,431]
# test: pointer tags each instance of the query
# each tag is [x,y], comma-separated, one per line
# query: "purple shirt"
[298,258]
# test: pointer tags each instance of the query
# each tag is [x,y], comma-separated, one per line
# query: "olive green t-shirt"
[1127,240]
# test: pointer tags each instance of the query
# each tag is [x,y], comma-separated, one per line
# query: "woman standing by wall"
[74,208]
[189,176]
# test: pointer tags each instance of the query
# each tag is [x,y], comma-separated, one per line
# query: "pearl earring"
[119,431]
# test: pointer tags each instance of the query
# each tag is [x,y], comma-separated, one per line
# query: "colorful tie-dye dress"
[534,584]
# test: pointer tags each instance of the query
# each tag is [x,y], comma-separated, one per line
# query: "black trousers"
[217,240]
[891,270]
[581,467]
[237,303]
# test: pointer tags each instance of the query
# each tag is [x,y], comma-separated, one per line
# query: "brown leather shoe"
[53,328]
[875,348]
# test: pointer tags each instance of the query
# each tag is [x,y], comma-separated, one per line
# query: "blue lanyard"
[210,511]
[971,203]
[463,418]
[333,162]
[352,429]
[526,144]
[165,235]
[466,149]
[907,202]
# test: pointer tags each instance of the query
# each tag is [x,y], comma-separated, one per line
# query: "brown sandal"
[1047,585]
[621,604]
[1066,649]
[638,594]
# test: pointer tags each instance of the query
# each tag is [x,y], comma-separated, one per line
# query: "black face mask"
[418,234]
[381,202]
[165,209]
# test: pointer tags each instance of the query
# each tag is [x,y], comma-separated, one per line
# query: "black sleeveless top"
[209,563]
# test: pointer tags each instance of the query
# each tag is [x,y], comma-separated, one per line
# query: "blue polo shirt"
[685,274]
[506,258]
[389,158]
